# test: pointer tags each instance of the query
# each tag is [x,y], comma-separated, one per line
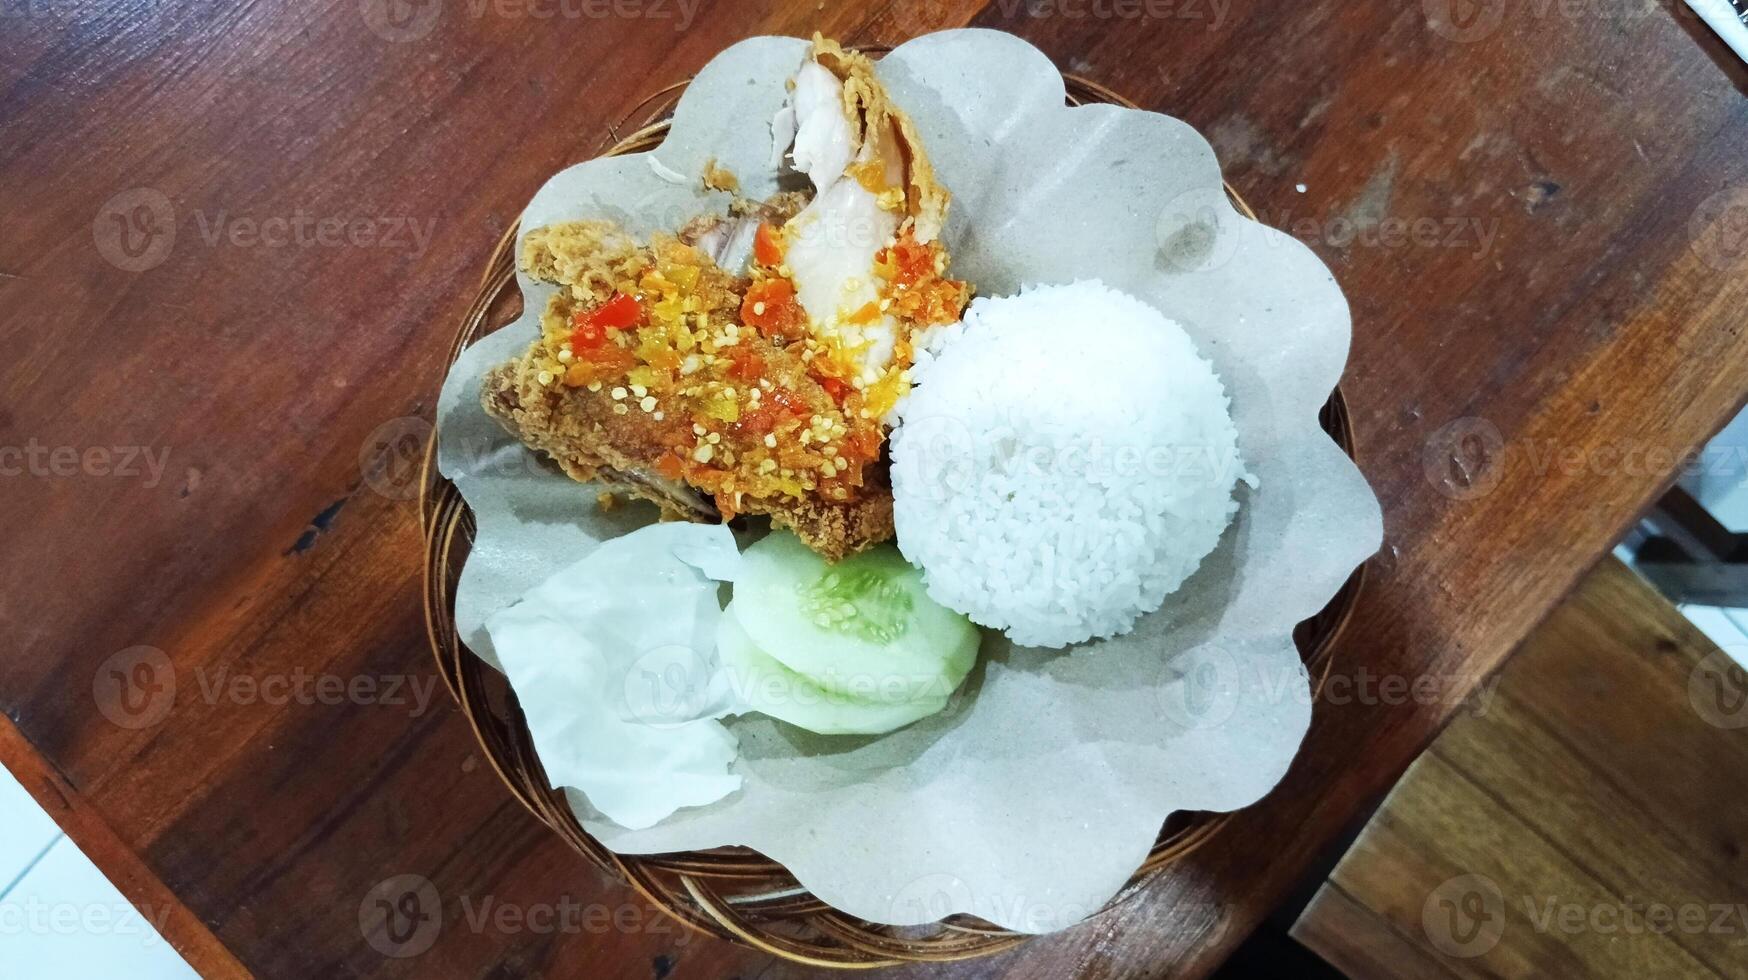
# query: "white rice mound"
[1065,461]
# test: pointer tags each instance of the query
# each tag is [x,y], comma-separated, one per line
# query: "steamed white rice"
[1066,460]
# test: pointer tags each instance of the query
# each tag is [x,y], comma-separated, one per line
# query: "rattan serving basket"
[735,893]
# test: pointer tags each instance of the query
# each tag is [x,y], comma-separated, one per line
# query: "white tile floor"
[1728,628]
[1720,482]
[59,917]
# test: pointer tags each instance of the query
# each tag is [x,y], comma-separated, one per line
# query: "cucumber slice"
[768,687]
[863,628]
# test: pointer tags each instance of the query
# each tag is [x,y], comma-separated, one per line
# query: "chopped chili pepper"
[776,405]
[609,358]
[757,421]
[746,365]
[835,388]
[725,505]
[618,313]
[905,262]
[864,442]
[867,314]
[786,400]
[767,246]
[770,307]
[586,335]
[590,327]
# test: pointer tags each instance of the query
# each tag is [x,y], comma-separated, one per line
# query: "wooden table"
[1539,212]
[1602,773]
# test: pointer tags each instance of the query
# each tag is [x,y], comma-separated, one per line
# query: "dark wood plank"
[1590,807]
[1591,308]
[1361,943]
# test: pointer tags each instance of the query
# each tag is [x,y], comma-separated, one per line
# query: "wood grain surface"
[1582,821]
[237,238]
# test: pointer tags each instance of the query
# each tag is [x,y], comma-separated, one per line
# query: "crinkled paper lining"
[1032,800]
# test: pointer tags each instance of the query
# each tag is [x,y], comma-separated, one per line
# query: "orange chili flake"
[865,442]
[709,479]
[834,388]
[746,365]
[609,358]
[670,466]
[770,307]
[911,261]
[867,314]
[788,401]
[725,505]
[767,245]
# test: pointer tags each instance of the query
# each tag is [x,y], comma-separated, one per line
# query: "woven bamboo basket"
[735,893]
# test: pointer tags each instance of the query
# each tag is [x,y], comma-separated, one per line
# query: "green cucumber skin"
[864,629]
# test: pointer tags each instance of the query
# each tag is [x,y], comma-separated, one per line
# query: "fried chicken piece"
[676,402]
[747,363]
[890,134]
[579,430]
